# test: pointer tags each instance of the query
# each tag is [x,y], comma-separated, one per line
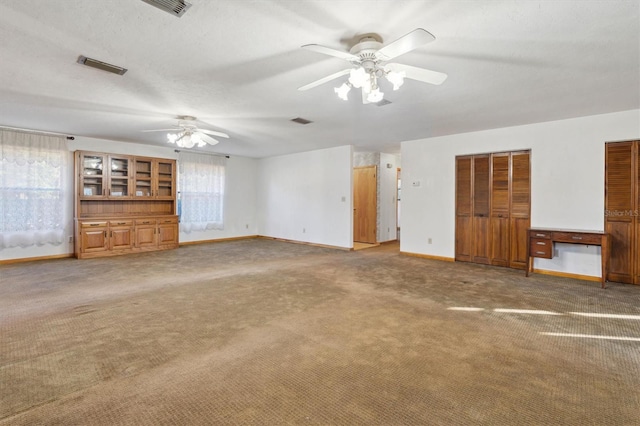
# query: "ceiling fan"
[187,135]
[370,63]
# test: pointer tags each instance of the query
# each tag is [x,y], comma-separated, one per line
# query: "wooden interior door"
[464,206]
[365,200]
[480,249]
[520,208]
[621,201]
[500,201]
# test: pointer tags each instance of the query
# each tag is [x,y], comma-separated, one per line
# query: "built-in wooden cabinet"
[493,208]
[124,204]
[622,210]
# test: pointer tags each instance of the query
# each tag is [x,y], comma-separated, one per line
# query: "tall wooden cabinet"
[622,210]
[124,204]
[493,208]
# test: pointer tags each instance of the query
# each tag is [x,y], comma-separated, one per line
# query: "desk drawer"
[540,234]
[541,247]
[576,237]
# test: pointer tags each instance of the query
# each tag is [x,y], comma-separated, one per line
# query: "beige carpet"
[269,333]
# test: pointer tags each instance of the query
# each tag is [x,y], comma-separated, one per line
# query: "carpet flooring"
[262,332]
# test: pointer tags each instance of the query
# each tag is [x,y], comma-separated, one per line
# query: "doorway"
[365,199]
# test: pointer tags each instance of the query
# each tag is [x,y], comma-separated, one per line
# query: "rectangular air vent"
[383,102]
[94,63]
[300,120]
[174,7]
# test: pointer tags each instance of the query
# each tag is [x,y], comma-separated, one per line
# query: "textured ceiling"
[236,66]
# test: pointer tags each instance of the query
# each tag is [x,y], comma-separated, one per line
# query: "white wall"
[240,199]
[567,182]
[307,197]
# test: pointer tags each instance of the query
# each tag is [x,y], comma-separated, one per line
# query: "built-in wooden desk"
[541,240]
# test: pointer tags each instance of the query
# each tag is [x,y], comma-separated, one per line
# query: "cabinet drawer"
[541,248]
[540,234]
[168,220]
[93,224]
[145,221]
[121,223]
[575,237]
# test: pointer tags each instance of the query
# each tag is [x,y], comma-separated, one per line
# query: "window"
[33,203]
[201,192]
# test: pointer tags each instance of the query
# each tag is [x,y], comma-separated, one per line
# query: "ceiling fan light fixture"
[358,77]
[396,78]
[343,91]
[375,96]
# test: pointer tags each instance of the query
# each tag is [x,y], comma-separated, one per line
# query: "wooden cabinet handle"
[94,224]
[575,237]
[105,234]
[540,235]
[540,243]
[540,252]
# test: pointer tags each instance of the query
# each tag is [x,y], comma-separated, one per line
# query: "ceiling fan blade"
[213,133]
[162,130]
[404,44]
[331,52]
[325,79]
[420,74]
[208,139]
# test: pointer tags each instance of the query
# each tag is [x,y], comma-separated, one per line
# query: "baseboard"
[306,243]
[429,256]
[567,275]
[33,259]
[219,240]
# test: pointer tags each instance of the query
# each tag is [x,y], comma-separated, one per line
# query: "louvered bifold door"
[520,208]
[620,202]
[480,247]
[463,208]
[636,215]
[500,209]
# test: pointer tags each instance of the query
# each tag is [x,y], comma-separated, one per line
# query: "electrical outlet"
[70,240]
[247,226]
[429,241]
[344,199]
[304,230]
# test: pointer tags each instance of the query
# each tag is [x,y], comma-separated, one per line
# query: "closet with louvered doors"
[493,208]
[622,210]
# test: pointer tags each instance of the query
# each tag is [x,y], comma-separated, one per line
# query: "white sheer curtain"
[33,182]
[201,191]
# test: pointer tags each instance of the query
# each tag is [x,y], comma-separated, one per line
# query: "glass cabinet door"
[165,179]
[119,177]
[143,178]
[92,176]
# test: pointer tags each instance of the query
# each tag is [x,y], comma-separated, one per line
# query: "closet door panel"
[520,208]
[464,230]
[620,202]
[621,251]
[500,209]
[480,248]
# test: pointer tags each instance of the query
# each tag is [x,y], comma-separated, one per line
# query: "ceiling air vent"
[383,102]
[300,120]
[174,7]
[94,63]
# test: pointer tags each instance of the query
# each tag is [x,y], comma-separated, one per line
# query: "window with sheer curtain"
[33,189]
[201,191]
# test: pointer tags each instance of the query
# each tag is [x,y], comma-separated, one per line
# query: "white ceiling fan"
[187,134]
[370,63]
